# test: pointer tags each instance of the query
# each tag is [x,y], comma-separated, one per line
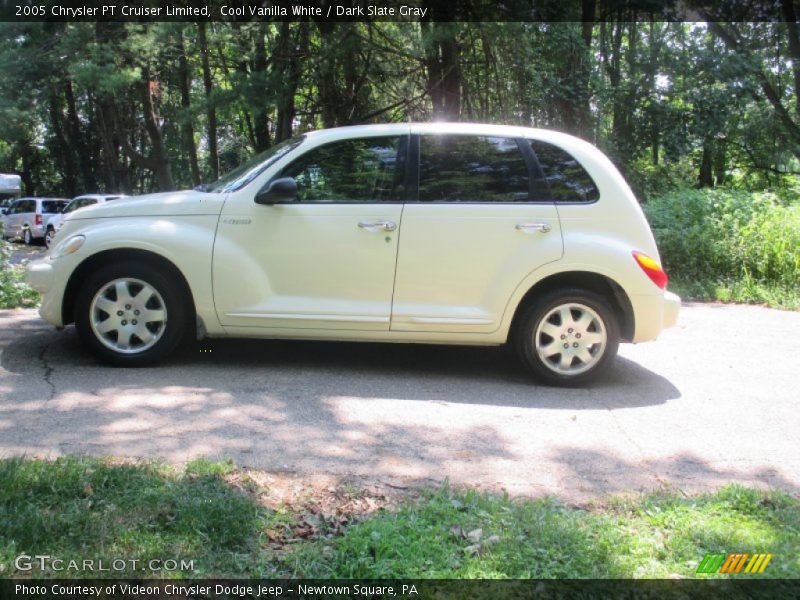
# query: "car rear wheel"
[48,237]
[27,237]
[567,337]
[130,314]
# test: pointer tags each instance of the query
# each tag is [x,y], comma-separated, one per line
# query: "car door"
[474,234]
[327,259]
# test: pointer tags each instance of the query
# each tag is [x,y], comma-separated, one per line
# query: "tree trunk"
[211,112]
[160,160]
[288,66]
[260,119]
[187,129]
[329,97]
[790,18]
[77,140]
[64,155]
[442,63]
[705,178]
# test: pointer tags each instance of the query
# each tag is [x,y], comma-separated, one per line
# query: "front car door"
[326,260]
[476,231]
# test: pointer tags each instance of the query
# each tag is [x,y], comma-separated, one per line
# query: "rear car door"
[474,233]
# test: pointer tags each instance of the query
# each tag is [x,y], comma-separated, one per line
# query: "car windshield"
[245,173]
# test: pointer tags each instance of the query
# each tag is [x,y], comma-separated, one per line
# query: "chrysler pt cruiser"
[432,233]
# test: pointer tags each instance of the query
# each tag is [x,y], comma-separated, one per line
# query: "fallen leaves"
[476,537]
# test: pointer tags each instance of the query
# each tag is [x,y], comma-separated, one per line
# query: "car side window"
[357,170]
[565,177]
[468,168]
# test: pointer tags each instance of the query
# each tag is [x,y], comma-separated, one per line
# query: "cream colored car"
[431,233]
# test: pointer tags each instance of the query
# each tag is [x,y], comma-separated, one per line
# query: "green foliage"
[729,244]
[73,109]
[14,292]
[75,508]
[650,536]
[215,515]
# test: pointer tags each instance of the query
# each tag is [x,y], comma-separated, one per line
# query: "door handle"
[530,227]
[378,225]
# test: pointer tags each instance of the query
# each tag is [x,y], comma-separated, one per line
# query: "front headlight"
[68,246]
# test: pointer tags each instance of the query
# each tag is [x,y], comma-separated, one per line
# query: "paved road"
[715,400]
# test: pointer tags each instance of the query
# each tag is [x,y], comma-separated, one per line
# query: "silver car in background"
[28,218]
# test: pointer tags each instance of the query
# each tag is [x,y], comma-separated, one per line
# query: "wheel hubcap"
[571,339]
[128,316]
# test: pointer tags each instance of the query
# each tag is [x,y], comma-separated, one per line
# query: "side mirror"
[279,190]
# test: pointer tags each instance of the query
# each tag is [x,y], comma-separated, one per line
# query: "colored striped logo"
[734,563]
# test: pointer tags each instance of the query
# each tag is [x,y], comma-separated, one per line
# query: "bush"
[728,238]
[14,292]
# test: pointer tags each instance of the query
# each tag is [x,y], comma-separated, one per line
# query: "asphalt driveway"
[714,400]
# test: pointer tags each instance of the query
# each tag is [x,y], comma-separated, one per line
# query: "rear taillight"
[651,268]
[38,219]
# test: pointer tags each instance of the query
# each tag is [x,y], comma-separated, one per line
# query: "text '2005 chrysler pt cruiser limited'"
[432,233]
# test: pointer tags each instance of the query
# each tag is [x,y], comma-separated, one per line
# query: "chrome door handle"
[529,227]
[378,225]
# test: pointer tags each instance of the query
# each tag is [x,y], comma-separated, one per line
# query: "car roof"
[461,128]
[98,196]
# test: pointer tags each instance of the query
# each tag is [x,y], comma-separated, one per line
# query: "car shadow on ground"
[455,374]
[312,407]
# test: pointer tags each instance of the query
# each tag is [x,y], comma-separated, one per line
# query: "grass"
[229,524]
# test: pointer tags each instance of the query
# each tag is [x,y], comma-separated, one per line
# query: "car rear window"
[565,179]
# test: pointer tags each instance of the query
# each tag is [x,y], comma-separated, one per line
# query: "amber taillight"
[651,268]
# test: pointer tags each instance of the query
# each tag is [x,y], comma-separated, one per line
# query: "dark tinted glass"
[467,168]
[29,206]
[359,170]
[567,180]
[52,206]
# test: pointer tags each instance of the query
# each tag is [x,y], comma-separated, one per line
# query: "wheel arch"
[117,255]
[600,284]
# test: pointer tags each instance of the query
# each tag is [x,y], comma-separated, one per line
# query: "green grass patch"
[221,518]
[729,245]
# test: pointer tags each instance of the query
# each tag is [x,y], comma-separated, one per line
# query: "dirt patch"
[320,507]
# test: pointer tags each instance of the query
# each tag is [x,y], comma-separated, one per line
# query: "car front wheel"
[48,237]
[567,337]
[130,314]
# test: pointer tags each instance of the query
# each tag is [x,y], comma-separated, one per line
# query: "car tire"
[567,337]
[48,237]
[131,314]
[27,237]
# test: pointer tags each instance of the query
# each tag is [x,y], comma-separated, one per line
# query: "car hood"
[165,204]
